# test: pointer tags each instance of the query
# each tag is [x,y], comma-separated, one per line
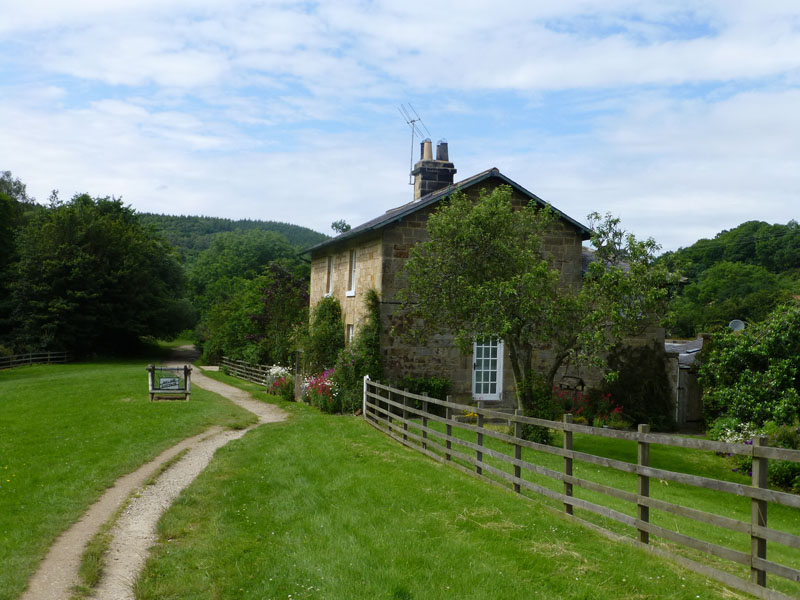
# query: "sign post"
[165,383]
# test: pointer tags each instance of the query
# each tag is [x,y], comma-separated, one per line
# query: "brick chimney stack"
[429,174]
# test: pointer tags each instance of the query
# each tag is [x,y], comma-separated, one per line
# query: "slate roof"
[396,214]
[687,351]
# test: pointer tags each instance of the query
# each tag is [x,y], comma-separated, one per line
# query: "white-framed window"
[487,370]
[351,276]
[350,333]
[329,277]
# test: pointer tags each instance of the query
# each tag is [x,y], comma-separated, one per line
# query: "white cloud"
[678,115]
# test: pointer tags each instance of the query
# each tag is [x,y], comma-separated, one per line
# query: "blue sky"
[680,117]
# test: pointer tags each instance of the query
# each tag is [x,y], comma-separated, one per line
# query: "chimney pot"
[426,149]
[441,151]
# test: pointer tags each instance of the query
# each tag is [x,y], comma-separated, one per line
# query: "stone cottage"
[372,255]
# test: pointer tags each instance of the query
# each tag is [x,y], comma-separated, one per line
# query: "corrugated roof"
[395,214]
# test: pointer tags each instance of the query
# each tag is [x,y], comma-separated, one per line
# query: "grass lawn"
[327,507]
[66,433]
[670,458]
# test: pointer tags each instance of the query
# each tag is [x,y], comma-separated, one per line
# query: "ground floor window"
[487,369]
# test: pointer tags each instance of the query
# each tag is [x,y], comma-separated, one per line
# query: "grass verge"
[324,506]
[67,432]
[684,460]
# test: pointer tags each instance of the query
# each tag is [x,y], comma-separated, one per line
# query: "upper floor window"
[329,276]
[351,277]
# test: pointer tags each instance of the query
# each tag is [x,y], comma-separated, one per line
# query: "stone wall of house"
[368,275]
[590,376]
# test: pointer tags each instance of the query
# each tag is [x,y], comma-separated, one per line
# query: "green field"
[67,432]
[325,506]
[683,460]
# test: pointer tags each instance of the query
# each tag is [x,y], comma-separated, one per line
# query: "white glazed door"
[487,370]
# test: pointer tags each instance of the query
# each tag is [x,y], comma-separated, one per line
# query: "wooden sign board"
[169,383]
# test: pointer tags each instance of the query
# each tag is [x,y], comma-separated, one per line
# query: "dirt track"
[134,531]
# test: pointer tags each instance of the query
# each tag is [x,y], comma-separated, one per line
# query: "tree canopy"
[486,272]
[752,375]
[234,254]
[742,273]
[90,278]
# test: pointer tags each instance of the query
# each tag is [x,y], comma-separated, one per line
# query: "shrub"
[321,391]
[542,404]
[784,474]
[781,473]
[752,375]
[362,357]
[435,387]
[283,387]
[347,375]
[325,337]
[600,409]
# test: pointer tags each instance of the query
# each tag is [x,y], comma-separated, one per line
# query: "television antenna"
[412,118]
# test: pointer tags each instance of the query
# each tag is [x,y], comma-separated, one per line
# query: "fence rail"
[33,358]
[255,373]
[407,418]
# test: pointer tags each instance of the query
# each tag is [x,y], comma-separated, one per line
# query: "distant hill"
[192,235]
[742,273]
[773,247]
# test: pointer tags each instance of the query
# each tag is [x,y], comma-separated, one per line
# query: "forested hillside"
[742,273]
[191,235]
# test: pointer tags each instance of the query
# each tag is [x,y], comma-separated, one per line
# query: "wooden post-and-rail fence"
[33,358]
[255,373]
[408,419]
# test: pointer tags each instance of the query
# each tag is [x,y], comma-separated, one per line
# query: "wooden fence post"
[517,450]
[758,514]
[568,508]
[424,421]
[405,415]
[643,484]
[364,398]
[478,453]
[448,428]
[389,409]
[187,376]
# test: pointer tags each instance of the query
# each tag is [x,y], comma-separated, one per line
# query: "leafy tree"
[15,208]
[235,254]
[340,226]
[727,291]
[486,272]
[245,291]
[227,328]
[90,278]
[13,188]
[752,375]
[283,308]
